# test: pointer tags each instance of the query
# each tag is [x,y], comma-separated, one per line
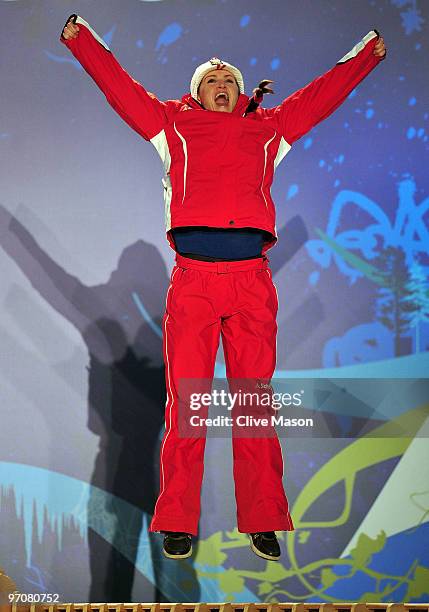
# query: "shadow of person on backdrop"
[121,324]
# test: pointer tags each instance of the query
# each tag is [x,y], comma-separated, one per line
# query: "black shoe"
[265,545]
[177,545]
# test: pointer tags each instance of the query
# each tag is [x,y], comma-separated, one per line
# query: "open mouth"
[222,97]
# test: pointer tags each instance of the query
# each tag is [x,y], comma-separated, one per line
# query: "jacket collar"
[240,107]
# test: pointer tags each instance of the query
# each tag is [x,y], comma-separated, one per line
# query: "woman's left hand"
[380,48]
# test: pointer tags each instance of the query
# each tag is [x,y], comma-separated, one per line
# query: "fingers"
[71,30]
[380,48]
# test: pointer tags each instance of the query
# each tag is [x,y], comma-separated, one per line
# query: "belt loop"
[222,267]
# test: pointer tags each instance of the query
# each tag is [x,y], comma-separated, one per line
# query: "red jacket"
[219,167]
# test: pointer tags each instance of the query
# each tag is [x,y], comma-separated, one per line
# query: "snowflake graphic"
[401,3]
[411,20]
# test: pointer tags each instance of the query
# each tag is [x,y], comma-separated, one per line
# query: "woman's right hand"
[71,30]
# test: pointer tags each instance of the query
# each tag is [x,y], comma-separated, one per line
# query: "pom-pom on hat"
[214,64]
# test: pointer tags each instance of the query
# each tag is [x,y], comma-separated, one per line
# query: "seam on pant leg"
[170,398]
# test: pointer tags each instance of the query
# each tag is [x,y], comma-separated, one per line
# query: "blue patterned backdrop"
[84,269]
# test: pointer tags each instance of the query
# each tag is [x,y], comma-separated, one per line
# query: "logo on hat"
[215,61]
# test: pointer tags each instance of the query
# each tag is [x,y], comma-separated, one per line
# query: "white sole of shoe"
[185,556]
[259,553]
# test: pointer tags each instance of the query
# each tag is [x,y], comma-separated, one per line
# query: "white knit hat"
[214,64]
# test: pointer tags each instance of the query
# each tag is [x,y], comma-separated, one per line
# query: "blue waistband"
[219,243]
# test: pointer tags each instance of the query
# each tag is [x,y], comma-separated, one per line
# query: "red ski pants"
[238,302]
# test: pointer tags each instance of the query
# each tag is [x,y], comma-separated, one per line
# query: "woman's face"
[218,91]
